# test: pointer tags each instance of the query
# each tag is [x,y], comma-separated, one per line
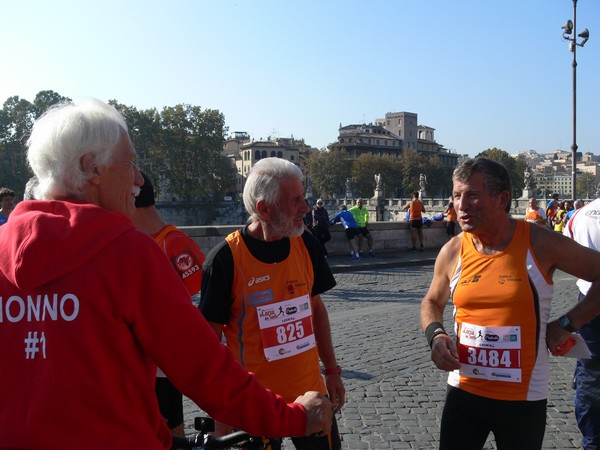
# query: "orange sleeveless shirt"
[270,331]
[416,209]
[501,309]
[184,254]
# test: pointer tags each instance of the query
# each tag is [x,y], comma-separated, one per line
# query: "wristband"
[432,330]
[337,370]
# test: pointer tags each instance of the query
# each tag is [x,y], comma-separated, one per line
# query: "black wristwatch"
[566,324]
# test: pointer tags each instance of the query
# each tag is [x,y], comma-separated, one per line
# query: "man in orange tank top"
[261,289]
[498,273]
[416,209]
[450,219]
[535,214]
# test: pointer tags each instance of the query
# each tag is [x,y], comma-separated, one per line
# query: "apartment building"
[245,152]
[389,136]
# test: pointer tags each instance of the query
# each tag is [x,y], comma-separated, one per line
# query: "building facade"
[389,136]
[245,152]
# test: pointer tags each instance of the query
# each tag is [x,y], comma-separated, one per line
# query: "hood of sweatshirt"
[43,240]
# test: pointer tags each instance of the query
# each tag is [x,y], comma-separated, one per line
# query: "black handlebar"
[208,441]
[205,441]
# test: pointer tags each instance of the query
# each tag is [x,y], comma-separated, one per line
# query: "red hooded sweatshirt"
[88,307]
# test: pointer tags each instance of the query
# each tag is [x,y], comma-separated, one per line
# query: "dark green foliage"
[515,167]
[180,147]
[329,171]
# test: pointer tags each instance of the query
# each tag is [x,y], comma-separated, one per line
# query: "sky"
[483,73]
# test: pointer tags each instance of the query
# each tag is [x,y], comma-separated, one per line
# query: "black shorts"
[351,232]
[416,224]
[170,402]
[468,419]
[364,231]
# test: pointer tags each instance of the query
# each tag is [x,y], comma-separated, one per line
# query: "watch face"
[565,323]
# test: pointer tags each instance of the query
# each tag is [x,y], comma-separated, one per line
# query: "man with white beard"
[261,287]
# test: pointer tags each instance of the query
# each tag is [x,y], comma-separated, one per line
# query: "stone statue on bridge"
[422,185]
[378,194]
[348,188]
[527,178]
[378,182]
[308,191]
[528,184]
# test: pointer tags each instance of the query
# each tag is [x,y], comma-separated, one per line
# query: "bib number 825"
[290,332]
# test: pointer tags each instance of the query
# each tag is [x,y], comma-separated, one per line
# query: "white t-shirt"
[584,227]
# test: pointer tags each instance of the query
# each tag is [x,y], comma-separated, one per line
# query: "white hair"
[264,180]
[62,136]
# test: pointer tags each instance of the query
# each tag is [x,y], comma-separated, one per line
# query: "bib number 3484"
[489,358]
[492,353]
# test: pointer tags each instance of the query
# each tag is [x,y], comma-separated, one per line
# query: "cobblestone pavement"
[395,393]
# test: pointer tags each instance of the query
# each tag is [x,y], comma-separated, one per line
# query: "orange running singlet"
[533,215]
[270,331]
[451,215]
[184,254]
[416,209]
[501,308]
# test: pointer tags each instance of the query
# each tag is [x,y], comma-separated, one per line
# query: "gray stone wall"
[387,236]
[233,213]
[390,234]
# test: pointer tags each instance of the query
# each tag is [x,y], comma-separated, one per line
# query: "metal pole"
[574,146]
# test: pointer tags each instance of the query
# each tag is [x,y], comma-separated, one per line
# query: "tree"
[366,166]
[190,148]
[45,99]
[412,165]
[514,166]
[16,121]
[328,171]
[439,177]
[145,130]
[586,185]
[179,148]
[520,168]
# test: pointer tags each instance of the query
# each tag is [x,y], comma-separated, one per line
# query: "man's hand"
[556,337]
[336,391]
[319,412]
[444,353]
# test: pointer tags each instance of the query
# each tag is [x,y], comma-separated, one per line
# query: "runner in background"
[186,258]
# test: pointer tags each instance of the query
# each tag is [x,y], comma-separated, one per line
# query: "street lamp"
[570,34]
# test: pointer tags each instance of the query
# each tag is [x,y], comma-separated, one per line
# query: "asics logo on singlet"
[468,281]
[259,279]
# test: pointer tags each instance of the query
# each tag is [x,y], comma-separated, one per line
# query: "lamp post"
[570,34]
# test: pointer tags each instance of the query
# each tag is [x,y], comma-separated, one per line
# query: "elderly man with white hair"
[89,306]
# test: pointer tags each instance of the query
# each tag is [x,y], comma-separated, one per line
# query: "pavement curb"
[342,264]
